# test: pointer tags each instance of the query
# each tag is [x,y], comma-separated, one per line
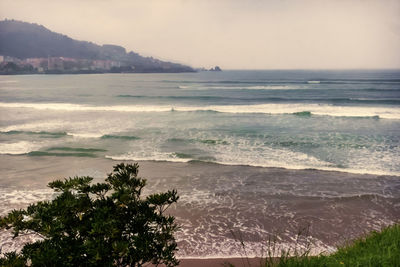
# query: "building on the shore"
[63,64]
[36,62]
[11,59]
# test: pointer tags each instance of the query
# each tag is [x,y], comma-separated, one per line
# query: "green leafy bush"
[103,224]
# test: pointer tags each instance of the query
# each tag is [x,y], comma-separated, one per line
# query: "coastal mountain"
[22,40]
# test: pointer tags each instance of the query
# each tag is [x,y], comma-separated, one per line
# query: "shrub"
[103,224]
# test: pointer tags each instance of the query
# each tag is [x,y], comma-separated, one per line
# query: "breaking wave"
[273,109]
[18,148]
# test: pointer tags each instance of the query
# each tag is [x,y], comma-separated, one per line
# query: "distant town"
[29,48]
[12,65]
[59,65]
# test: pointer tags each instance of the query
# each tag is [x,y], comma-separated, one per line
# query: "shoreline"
[49,172]
[93,72]
[110,159]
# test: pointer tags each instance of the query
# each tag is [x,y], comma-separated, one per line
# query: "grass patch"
[375,249]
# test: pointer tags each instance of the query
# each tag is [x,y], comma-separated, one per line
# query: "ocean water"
[331,138]
[331,120]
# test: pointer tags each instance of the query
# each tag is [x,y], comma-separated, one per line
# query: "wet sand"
[222,205]
[219,262]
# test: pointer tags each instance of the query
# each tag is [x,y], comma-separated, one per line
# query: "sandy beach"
[221,205]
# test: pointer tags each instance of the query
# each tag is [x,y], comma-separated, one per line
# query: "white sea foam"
[85,135]
[272,164]
[36,126]
[16,198]
[76,107]
[287,160]
[313,82]
[8,81]
[253,155]
[157,156]
[254,87]
[76,129]
[314,109]
[18,148]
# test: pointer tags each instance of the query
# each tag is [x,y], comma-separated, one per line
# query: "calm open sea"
[345,121]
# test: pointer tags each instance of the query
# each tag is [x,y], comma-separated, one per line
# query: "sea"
[253,154]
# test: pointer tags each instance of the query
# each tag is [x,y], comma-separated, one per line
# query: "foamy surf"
[272,109]
[319,168]
[85,135]
[18,148]
[254,87]
[170,157]
[77,107]
[48,126]
[8,81]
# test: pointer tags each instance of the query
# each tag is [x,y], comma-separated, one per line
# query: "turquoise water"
[329,120]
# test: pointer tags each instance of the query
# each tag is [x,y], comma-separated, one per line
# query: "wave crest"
[273,109]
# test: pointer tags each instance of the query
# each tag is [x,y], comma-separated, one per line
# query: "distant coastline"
[61,65]
[29,48]
[29,71]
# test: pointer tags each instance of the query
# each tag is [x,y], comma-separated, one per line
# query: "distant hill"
[29,40]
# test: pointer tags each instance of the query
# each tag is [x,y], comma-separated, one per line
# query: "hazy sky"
[275,34]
